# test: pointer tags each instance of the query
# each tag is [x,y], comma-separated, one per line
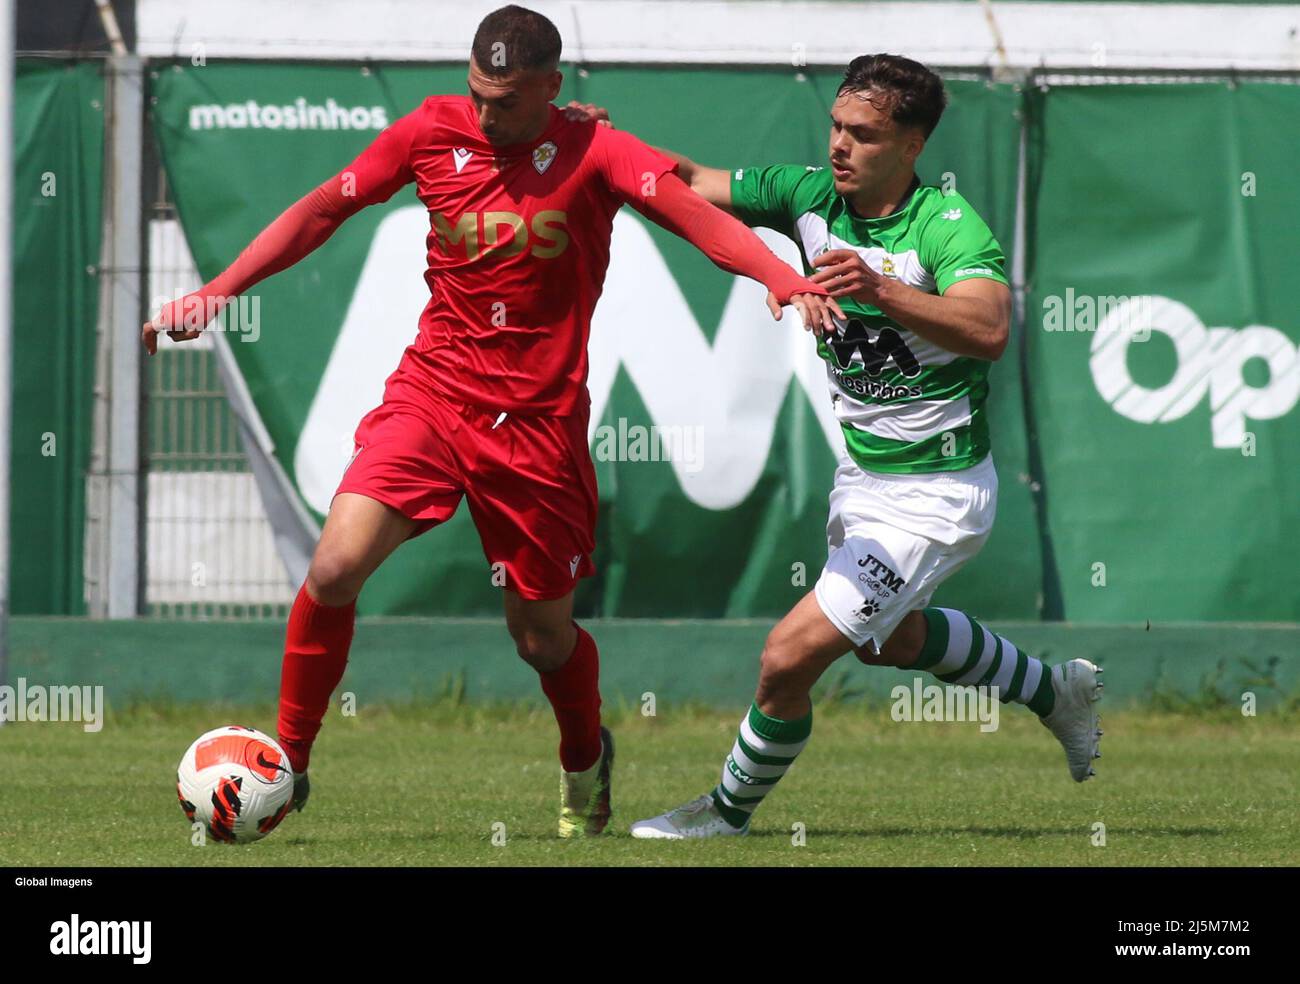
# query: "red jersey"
[518,246]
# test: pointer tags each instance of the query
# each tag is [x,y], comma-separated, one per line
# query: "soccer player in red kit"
[489,402]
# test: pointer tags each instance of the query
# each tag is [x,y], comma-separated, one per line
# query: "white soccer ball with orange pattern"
[237,782]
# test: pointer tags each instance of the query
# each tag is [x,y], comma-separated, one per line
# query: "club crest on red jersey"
[543,155]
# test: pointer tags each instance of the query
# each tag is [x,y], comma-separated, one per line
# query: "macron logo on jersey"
[461,157]
[952,215]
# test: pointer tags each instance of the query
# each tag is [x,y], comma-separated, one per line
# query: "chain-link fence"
[209,548]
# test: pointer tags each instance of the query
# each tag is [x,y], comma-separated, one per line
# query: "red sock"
[315,655]
[574,693]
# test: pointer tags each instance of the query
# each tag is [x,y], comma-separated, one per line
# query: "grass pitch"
[425,785]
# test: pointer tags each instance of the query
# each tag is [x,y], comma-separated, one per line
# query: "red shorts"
[529,480]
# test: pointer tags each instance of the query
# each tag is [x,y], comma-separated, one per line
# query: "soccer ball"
[237,782]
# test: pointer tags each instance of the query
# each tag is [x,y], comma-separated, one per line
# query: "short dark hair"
[914,95]
[515,39]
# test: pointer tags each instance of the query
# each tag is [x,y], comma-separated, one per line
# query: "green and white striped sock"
[765,748]
[959,650]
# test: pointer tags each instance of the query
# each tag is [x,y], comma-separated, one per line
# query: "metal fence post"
[123,314]
[7,85]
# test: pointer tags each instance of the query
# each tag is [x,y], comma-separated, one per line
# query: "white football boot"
[1074,719]
[698,818]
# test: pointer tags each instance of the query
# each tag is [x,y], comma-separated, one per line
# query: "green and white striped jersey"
[905,404]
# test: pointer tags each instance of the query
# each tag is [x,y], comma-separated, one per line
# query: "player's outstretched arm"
[710,183]
[734,247]
[374,176]
[299,230]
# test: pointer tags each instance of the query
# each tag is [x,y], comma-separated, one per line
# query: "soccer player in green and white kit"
[927,308]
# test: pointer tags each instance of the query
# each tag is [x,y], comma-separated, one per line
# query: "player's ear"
[915,144]
[553,83]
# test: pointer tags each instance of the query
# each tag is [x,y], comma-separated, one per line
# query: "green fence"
[58,154]
[1161,331]
[707,661]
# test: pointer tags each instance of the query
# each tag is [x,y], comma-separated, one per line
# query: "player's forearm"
[296,232]
[299,230]
[724,239]
[971,326]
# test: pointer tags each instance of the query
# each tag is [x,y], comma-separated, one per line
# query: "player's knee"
[335,577]
[904,644]
[782,665]
[542,649]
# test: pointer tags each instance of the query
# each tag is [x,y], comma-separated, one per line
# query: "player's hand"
[844,274]
[173,320]
[582,112]
[816,310]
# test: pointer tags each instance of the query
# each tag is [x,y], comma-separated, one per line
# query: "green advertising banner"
[58,169]
[1162,330]
[736,530]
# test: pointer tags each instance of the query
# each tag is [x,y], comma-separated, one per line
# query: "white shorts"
[893,539]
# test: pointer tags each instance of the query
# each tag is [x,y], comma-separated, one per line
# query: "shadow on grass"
[1015,833]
